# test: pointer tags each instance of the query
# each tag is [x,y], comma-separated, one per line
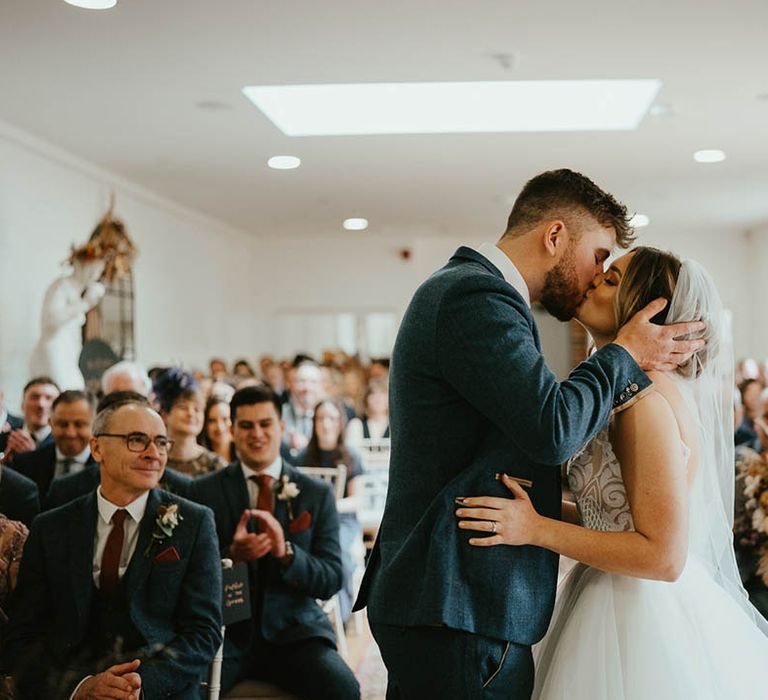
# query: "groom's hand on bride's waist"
[661,348]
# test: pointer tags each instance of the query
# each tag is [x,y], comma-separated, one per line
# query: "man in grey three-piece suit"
[471,396]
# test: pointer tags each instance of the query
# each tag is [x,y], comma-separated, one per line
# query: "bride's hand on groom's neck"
[655,347]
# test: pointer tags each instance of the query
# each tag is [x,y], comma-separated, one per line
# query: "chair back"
[335,476]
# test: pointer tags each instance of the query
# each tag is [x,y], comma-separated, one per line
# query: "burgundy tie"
[264,500]
[110,562]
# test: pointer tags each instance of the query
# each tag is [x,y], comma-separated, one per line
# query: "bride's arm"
[653,466]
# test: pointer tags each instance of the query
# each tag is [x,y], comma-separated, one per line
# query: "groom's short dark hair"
[558,192]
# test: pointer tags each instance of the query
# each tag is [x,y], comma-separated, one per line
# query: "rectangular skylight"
[466,107]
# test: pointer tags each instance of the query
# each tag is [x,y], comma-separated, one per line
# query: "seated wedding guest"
[70,450]
[119,591]
[181,406]
[8,422]
[297,411]
[217,429]
[750,396]
[374,425]
[284,524]
[760,423]
[243,369]
[327,449]
[36,403]
[273,375]
[13,535]
[68,487]
[217,369]
[354,388]
[379,370]
[19,498]
[126,376]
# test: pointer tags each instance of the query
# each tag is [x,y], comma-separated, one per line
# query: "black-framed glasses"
[138,442]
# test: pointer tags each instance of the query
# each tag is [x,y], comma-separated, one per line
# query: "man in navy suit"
[119,591]
[471,396]
[71,420]
[19,499]
[285,525]
[36,403]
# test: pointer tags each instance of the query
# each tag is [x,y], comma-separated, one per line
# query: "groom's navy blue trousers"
[440,662]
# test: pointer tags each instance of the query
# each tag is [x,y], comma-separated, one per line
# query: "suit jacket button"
[634,387]
[622,396]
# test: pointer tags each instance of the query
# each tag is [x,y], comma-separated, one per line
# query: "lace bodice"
[594,476]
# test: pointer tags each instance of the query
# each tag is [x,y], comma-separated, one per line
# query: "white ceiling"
[124,88]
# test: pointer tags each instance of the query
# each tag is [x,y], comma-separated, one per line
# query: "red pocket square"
[167,556]
[301,523]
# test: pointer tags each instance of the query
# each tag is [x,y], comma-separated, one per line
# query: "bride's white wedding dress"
[619,638]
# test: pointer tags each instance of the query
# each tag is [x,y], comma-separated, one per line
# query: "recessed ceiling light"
[284,162]
[432,108]
[93,4]
[709,156]
[355,224]
[639,220]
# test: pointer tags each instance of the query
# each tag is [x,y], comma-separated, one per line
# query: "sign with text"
[237,594]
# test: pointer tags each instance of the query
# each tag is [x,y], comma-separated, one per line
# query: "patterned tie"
[264,500]
[110,562]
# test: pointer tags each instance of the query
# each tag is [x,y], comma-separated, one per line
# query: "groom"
[471,396]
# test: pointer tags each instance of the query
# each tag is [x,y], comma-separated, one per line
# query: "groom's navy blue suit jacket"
[470,396]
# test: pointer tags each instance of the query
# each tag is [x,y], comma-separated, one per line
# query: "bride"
[656,608]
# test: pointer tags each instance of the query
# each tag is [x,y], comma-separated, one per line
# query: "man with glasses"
[119,591]
[78,482]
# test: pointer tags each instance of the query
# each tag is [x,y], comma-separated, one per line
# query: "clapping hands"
[247,546]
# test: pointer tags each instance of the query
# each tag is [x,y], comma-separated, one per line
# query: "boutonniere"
[286,490]
[167,520]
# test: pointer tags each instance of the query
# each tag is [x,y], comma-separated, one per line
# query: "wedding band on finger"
[493,530]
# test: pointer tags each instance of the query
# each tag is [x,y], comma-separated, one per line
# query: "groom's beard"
[561,295]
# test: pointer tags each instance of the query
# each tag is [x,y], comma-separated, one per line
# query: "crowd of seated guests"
[156,443]
[751,440]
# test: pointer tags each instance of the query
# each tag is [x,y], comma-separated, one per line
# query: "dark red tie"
[264,500]
[110,562]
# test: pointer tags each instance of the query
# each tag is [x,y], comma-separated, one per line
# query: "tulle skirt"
[619,638]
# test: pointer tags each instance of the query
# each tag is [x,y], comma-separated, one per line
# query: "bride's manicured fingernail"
[459,500]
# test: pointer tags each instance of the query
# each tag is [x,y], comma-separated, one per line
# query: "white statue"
[66,302]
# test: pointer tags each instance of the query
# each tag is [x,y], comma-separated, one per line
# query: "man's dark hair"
[39,380]
[560,193]
[72,396]
[250,395]
[303,359]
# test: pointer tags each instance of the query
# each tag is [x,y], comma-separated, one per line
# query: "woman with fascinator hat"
[183,410]
[656,608]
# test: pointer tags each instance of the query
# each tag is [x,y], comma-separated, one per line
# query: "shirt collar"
[82,458]
[40,434]
[512,275]
[274,470]
[135,508]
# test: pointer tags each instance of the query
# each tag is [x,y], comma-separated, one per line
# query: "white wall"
[192,276]
[204,289]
